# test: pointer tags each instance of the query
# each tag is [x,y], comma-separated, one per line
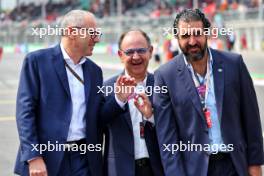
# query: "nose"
[192,40]
[96,39]
[135,55]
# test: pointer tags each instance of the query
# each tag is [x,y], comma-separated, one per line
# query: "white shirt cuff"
[33,159]
[120,103]
[151,119]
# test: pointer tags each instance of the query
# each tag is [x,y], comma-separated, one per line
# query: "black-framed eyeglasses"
[93,33]
[139,51]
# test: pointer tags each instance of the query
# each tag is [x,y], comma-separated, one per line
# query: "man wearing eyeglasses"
[131,146]
[59,112]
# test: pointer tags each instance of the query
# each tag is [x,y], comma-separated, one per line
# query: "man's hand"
[143,104]
[37,167]
[255,171]
[124,87]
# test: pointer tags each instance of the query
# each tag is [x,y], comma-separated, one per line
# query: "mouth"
[194,49]
[92,47]
[136,63]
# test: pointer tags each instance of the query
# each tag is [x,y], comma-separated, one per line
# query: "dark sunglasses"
[140,51]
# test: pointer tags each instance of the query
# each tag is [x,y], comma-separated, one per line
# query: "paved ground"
[9,75]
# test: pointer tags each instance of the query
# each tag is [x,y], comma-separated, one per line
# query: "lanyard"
[74,73]
[202,86]
[203,89]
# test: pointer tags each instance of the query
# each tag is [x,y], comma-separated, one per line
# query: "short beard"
[197,56]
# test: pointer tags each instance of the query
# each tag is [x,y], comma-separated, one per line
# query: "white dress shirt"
[77,127]
[140,146]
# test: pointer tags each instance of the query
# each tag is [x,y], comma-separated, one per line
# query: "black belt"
[79,142]
[142,162]
[218,156]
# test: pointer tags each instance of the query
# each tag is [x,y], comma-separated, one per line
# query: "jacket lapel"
[127,112]
[58,63]
[87,72]
[128,117]
[150,83]
[218,72]
[186,79]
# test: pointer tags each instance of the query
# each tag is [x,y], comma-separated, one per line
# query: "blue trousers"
[221,166]
[74,164]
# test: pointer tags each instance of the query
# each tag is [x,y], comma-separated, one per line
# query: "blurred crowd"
[35,13]
[103,8]
[210,7]
[32,11]
[52,10]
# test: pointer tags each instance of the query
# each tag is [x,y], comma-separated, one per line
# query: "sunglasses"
[139,51]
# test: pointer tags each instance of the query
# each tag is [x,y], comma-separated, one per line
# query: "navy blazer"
[119,158]
[179,116]
[44,109]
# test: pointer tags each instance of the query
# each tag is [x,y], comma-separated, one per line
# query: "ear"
[72,33]
[151,49]
[209,37]
[120,54]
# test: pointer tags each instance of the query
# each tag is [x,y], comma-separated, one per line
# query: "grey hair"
[74,18]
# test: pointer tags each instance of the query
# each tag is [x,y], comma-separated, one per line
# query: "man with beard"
[208,123]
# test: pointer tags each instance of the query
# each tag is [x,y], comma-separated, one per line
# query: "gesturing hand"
[124,87]
[143,104]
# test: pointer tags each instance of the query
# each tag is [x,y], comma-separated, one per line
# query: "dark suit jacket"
[44,109]
[179,116]
[119,155]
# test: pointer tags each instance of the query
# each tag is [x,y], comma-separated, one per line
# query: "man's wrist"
[149,114]
[33,159]
[120,102]
[150,119]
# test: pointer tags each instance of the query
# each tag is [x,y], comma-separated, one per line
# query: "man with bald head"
[131,147]
[59,110]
